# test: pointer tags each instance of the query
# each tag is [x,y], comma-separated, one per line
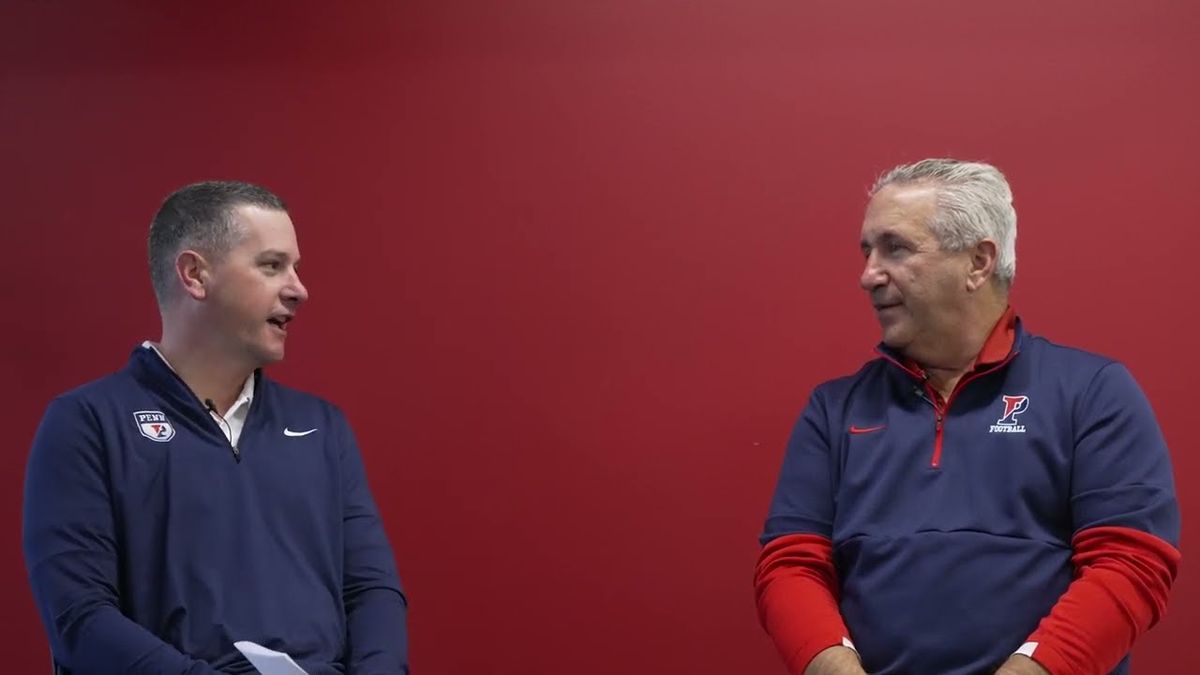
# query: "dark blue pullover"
[152,546]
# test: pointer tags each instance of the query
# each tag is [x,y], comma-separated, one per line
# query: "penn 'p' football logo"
[1008,423]
[154,425]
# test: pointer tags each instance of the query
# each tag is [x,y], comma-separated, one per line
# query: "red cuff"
[796,587]
[1122,579]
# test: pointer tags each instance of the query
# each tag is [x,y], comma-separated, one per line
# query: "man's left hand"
[1019,664]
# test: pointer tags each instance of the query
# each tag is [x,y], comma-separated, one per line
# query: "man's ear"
[982,264]
[194,273]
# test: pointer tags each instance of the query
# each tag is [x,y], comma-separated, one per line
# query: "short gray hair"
[199,216]
[974,202]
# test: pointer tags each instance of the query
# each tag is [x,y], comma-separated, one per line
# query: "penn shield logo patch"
[154,425]
[1008,423]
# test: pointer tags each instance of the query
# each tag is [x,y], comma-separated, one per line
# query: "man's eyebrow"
[884,237]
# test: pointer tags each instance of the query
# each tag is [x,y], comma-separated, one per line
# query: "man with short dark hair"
[188,502]
[977,499]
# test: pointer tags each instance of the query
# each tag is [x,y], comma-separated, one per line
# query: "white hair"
[974,202]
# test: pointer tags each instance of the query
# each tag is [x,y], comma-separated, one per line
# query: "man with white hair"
[188,502]
[977,499]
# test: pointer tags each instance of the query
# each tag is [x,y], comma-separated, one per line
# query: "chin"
[896,338]
[265,357]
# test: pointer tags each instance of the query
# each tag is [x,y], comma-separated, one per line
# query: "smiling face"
[254,288]
[917,288]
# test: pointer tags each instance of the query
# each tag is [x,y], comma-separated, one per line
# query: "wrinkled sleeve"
[795,581]
[376,607]
[1125,545]
[71,554]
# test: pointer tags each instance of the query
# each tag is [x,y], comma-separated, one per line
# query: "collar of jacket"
[1000,347]
[173,393]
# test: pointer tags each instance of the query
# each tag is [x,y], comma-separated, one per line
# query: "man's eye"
[273,265]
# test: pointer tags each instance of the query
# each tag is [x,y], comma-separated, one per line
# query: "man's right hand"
[836,660]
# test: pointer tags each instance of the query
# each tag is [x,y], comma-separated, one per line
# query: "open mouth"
[280,322]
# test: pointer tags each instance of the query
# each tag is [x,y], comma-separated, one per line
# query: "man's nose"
[873,275]
[295,291]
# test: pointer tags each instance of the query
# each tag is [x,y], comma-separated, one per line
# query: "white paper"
[268,661]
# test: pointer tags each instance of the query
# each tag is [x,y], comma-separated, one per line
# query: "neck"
[204,367]
[954,355]
[944,380]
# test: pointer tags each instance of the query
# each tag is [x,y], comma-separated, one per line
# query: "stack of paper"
[268,661]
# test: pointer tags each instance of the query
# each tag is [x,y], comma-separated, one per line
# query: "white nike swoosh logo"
[289,432]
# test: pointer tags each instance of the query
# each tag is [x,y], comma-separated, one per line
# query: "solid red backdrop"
[575,266]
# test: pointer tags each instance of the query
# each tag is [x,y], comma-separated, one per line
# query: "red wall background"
[575,266]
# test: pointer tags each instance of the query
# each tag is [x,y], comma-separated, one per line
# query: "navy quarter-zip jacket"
[944,535]
[152,546]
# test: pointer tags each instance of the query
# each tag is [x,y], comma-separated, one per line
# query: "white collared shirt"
[234,419]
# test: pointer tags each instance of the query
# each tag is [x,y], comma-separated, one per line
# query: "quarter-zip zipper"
[939,416]
[237,454]
[212,410]
[937,440]
[941,411]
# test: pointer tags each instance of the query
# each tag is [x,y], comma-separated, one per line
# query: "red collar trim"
[995,348]
[1000,341]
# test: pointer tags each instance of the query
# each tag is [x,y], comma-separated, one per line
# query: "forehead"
[900,209]
[260,229]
